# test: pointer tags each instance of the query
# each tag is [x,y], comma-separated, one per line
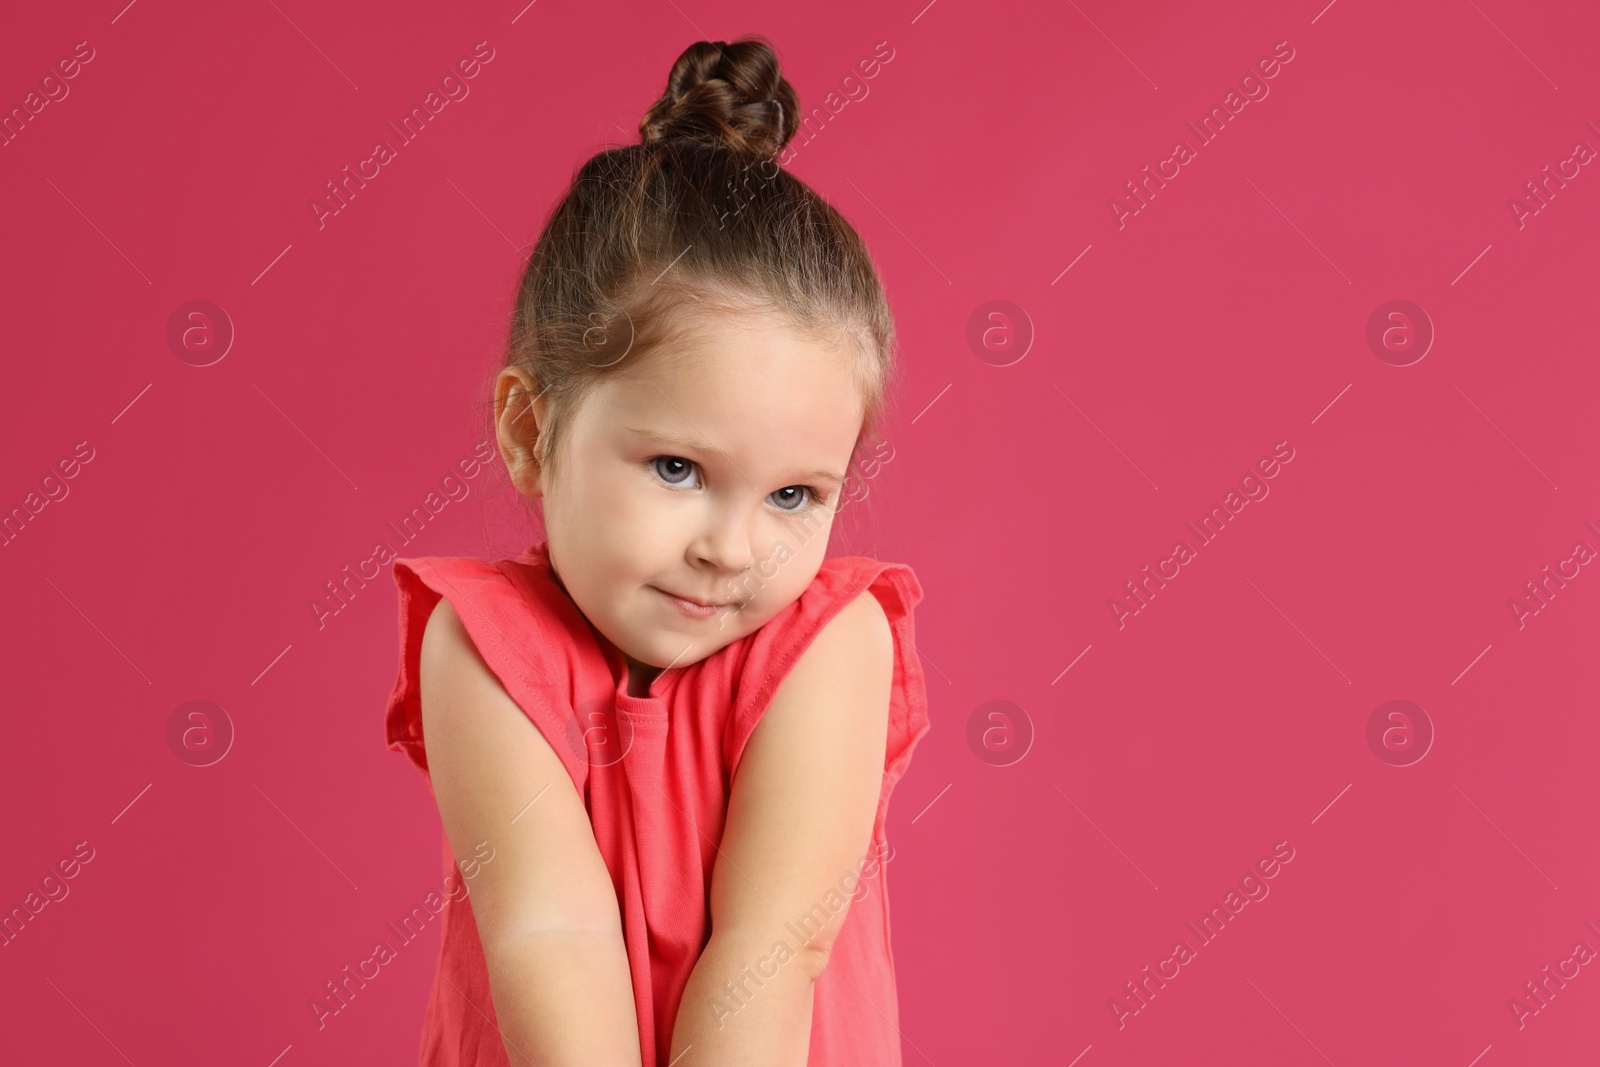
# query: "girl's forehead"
[765,395]
[731,358]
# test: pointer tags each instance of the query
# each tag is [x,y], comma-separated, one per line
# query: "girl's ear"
[519,417]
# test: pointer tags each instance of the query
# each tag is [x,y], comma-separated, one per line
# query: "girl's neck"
[640,676]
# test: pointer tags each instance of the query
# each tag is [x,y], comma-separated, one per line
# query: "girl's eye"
[793,497]
[674,470]
[680,473]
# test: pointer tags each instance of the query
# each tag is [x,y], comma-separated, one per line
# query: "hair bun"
[726,95]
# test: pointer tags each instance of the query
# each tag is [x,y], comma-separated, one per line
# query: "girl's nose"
[725,545]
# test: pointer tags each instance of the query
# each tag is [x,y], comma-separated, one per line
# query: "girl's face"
[710,471]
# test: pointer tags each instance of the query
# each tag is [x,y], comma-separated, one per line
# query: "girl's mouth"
[692,608]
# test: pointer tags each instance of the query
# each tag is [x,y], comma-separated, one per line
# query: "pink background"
[1229,314]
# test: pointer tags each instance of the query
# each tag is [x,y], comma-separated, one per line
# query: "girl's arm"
[800,818]
[546,910]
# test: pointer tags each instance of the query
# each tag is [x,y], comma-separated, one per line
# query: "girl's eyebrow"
[668,437]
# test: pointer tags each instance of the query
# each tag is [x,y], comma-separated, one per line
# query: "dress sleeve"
[519,642]
[777,646]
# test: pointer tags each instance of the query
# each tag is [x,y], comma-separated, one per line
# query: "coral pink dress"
[654,774]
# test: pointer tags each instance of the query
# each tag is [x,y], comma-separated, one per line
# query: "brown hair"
[697,214]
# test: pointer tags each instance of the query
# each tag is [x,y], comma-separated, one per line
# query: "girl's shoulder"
[838,582]
[520,620]
[894,584]
[518,589]
[765,657]
[513,601]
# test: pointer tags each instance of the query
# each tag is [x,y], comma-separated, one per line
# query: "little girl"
[676,725]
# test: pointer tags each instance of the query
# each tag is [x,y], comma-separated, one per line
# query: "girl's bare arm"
[546,909]
[800,818]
